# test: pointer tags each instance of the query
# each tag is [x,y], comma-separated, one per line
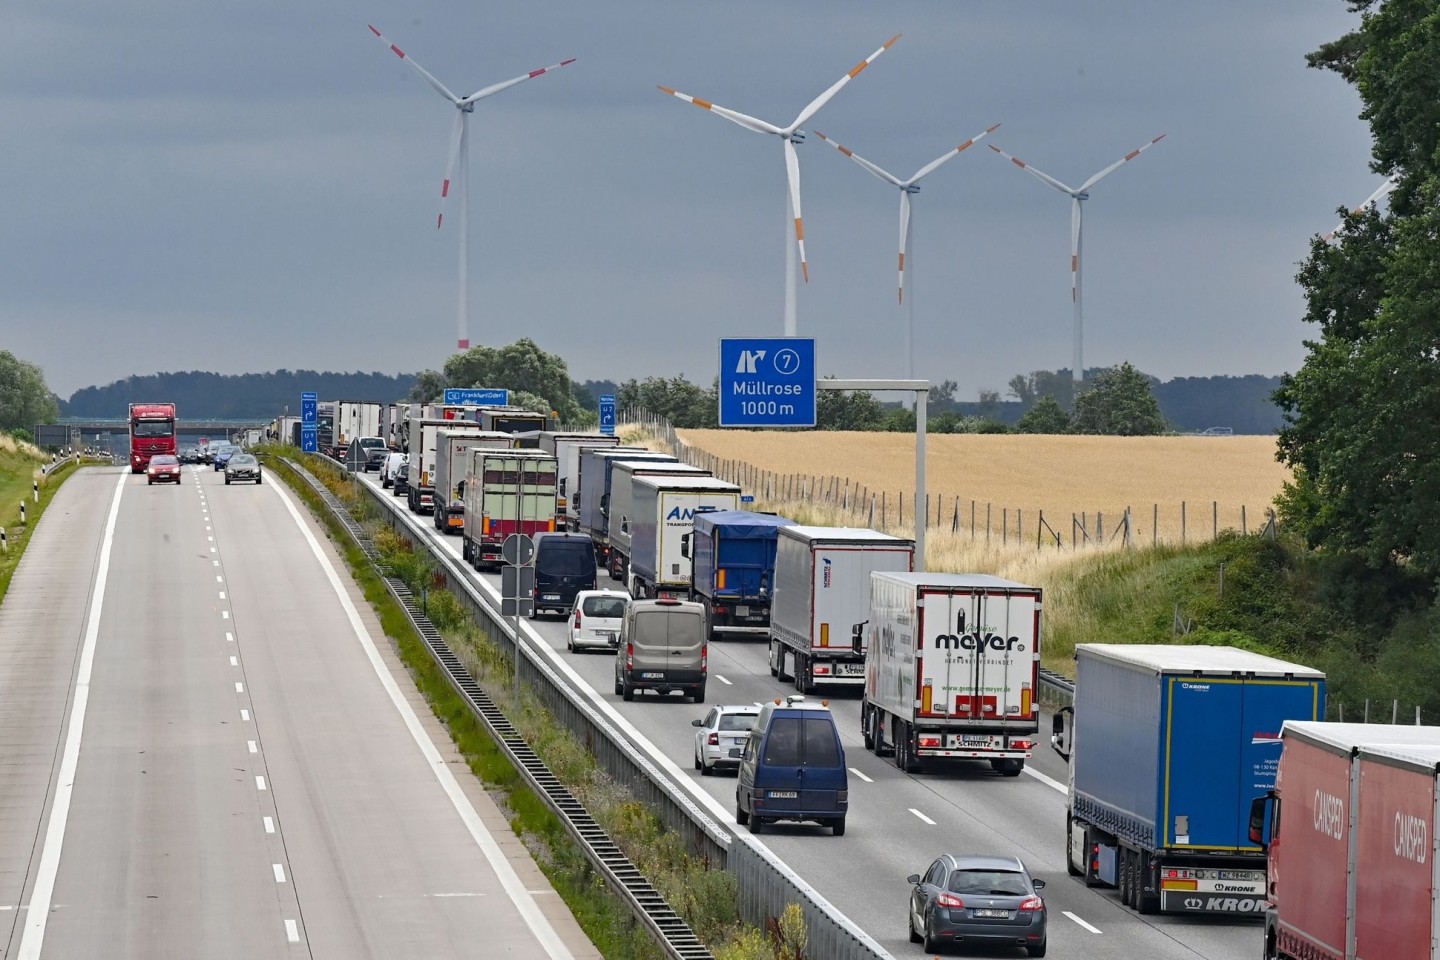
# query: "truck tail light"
[1022,744]
[821,669]
[1032,903]
[927,694]
[949,900]
[718,608]
[928,741]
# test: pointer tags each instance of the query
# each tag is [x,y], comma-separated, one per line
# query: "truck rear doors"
[979,658]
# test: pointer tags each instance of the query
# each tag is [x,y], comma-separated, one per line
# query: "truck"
[353,419]
[664,509]
[423,434]
[324,427]
[510,419]
[620,505]
[507,491]
[566,447]
[595,475]
[1168,745]
[952,669]
[1354,876]
[152,431]
[822,591]
[452,461]
[732,570]
[584,458]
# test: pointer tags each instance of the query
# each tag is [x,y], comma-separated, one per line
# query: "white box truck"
[423,434]
[952,664]
[452,469]
[664,510]
[822,590]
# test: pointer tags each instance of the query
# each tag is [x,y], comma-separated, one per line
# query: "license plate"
[980,741]
[652,676]
[456,521]
[742,611]
[550,596]
[1235,875]
[782,794]
[849,669]
[993,914]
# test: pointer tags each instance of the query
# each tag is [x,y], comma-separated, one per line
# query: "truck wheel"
[904,748]
[1146,903]
[865,732]
[877,732]
[1126,884]
[1008,767]
[774,654]
[804,674]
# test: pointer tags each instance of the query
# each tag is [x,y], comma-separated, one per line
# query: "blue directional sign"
[476,397]
[767,382]
[309,439]
[607,414]
[308,408]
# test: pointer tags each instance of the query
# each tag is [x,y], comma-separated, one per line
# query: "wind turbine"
[789,136]
[460,155]
[908,188]
[1078,196]
[1384,189]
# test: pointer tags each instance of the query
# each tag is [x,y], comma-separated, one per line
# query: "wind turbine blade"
[495,88]
[421,70]
[824,98]
[935,164]
[1380,191]
[1118,164]
[877,171]
[792,174]
[456,130]
[1042,177]
[734,116]
[904,238]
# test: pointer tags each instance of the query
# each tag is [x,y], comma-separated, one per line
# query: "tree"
[1046,416]
[941,398]
[1022,389]
[848,410]
[520,367]
[25,400]
[676,399]
[429,387]
[989,404]
[1118,402]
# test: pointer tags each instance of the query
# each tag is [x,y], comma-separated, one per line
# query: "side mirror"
[685,545]
[857,636]
[697,722]
[913,878]
[624,524]
[1038,884]
[1061,731]
[1262,816]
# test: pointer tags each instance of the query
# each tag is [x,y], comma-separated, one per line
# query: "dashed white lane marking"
[239,687]
[292,932]
[1050,782]
[259,783]
[245,716]
[224,614]
[211,539]
[279,869]
[212,549]
[218,578]
[723,680]
[234,661]
[269,825]
[922,816]
[1082,923]
[254,747]
[222,594]
[861,775]
[229,637]
[217,563]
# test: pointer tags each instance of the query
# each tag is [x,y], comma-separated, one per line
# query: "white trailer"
[622,505]
[664,513]
[423,435]
[822,590]
[566,448]
[952,666]
[452,466]
[355,418]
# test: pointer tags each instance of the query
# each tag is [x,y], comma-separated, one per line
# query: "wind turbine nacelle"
[911,188]
[797,137]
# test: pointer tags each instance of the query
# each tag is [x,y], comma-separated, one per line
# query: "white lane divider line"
[279,869]
[212,549]
[229,637]
[218,578]
[1082,923]
[245,716]
[861,775]
[211,539]
[292,932]
[269,825]
[234,662]
[254,747]
[1050,782]
[723,680]
[224,614]
[222,594]
[922,816]
[38,915]
[216,562]
[239,687]
[259,783]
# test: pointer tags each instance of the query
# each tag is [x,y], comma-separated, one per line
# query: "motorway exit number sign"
[767,382]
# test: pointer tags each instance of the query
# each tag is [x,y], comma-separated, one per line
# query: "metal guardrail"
[1056,690]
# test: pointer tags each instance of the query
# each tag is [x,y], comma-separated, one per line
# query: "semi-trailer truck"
[620,504]
[664,512]
[452,463]
[952,666]
[822,590]
[732,570]
[566,448]
[1168,746]
[507,491]
[354,419]
[423,434]
[579,480]
[595,480]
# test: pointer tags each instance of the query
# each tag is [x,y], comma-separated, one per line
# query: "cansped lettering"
[1329,814]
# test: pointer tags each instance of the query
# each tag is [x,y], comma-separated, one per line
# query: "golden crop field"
[1018,476]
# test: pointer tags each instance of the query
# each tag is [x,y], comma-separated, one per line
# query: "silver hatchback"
[721,735]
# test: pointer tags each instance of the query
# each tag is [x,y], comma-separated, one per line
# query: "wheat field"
[1083,484]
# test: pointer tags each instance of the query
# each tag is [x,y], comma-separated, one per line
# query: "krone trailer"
[664,513]
[952,667]
[1168,747]
[452,461]
[822,590]
[508,491]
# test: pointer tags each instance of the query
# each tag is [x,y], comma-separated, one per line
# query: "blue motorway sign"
[767,382]
[309,438]
[476,397]
[308,408]
[607,413]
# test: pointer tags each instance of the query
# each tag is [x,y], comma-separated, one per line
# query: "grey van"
[662,647]
[793,767]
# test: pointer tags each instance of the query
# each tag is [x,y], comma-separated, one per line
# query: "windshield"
[801,741]
[152,428]
[368,442]
[241,460]
[572,558]
[997,882]
[163,459]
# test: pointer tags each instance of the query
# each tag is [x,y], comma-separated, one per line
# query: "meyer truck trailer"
[1168,746]
[732,570]
[506,492]
[952,666]
[664,513]
[1355,875]
[822,591]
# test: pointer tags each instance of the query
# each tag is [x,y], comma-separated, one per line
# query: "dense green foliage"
[521,367]
[1046,416]
[25,400]
[261,396]
[1118,402]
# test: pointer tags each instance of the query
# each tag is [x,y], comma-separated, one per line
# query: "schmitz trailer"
[508,491]
[1168,747]
[452,463]
[732,561]
[1343,834]
[952,666]
[621,506]
[822,590]
[423,435]
[664,512]
[595,480]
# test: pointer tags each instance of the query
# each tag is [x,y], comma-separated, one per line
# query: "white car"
[595,620]
[391,464]
[721,735]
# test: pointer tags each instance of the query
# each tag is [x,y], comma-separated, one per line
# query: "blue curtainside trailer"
[1168,746]
[732,557]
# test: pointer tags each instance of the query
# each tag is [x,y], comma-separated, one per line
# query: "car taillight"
[1032,903]
[704,657]
[713,739]
[949,900]
[629,655]
[577,619]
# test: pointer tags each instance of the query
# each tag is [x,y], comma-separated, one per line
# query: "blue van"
[564,565]
[793,767]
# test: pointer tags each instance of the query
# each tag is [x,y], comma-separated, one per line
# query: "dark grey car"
[967,899]
[242,466]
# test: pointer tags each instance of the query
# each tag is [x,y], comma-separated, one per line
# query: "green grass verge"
[19,468]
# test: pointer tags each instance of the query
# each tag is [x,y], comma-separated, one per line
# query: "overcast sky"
[240,188]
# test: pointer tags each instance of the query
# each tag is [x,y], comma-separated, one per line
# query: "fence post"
[1004,525]
[1128,531]
[1154,524]
[1019,528]
[927,510]
[882,508]
[1182,523]
[1039,529]
[987,521]
[1394,712]
[972,520]
[1243,528]
[1214,519]
[1099,529]
[955,520]
[901,508]
[871,522]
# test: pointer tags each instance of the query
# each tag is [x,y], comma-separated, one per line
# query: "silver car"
[720,736]
[969,899]
[595,620]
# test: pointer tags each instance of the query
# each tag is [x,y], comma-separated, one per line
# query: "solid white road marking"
[292,933]
[254,747]
[723,680]
[922,816]
[279,872]
[861,775]
[269,825]
[245,715]
[1081,922]
[1050,782]
[259,783]
[39,913]
[525,904]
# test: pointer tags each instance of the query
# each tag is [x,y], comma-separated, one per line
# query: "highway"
[210,750]
[899,822]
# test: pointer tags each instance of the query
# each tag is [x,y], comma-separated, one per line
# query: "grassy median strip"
[705,897]
[20,465]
